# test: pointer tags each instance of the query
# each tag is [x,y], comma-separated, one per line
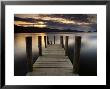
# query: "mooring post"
[66,45]
[45,41]
[54,39]
[76,54]
[29,53]
[51,42]
[40,45]
[61,41]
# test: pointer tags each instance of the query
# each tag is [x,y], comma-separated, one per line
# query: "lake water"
[88,54]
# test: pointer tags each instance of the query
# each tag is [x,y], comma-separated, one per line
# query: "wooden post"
[76,54]
[45,41]
[29,53]
[54,39]
[51,42]
[40,45]
[61,41]
[66,45]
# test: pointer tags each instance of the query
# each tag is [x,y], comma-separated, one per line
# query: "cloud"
[92,18]
[24,19]
[62,21]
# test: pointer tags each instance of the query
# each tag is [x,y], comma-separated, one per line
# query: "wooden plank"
[52,63]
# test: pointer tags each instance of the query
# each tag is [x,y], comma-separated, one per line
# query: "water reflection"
[88,57]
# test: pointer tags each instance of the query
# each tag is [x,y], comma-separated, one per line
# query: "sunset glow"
[40,26]
[28,24]
[56,21]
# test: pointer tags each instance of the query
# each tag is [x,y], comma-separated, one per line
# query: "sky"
[58,21]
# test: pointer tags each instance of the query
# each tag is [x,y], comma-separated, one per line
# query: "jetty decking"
[53,62]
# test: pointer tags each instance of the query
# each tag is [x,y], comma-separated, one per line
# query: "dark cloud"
[24,19]
[87,18]
[77,17]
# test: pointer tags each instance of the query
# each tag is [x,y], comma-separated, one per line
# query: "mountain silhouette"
[20,29]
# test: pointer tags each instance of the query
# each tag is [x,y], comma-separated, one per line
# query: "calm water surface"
[88,54]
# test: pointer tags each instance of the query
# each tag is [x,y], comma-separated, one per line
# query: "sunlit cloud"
[83,23]
[61,20]
[40,26]
[22,23]
[40,22]
[28,24]
[57,21]
[92,18]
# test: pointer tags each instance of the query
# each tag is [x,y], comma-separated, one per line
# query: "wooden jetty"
[53,60]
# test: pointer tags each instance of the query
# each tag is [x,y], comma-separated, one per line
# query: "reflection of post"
[76,54]
[54,39]
[29,53]
[40,45]
[66,45]
[45,41]
[61,41]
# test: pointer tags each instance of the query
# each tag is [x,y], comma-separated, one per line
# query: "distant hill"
[19,29]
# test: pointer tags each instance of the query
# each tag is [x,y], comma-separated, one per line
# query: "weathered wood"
[52,63]
[66,45]
[61,41]
[76,54]
[40,45]
[54,39]
[51,42]
[29,53]
[45,41]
